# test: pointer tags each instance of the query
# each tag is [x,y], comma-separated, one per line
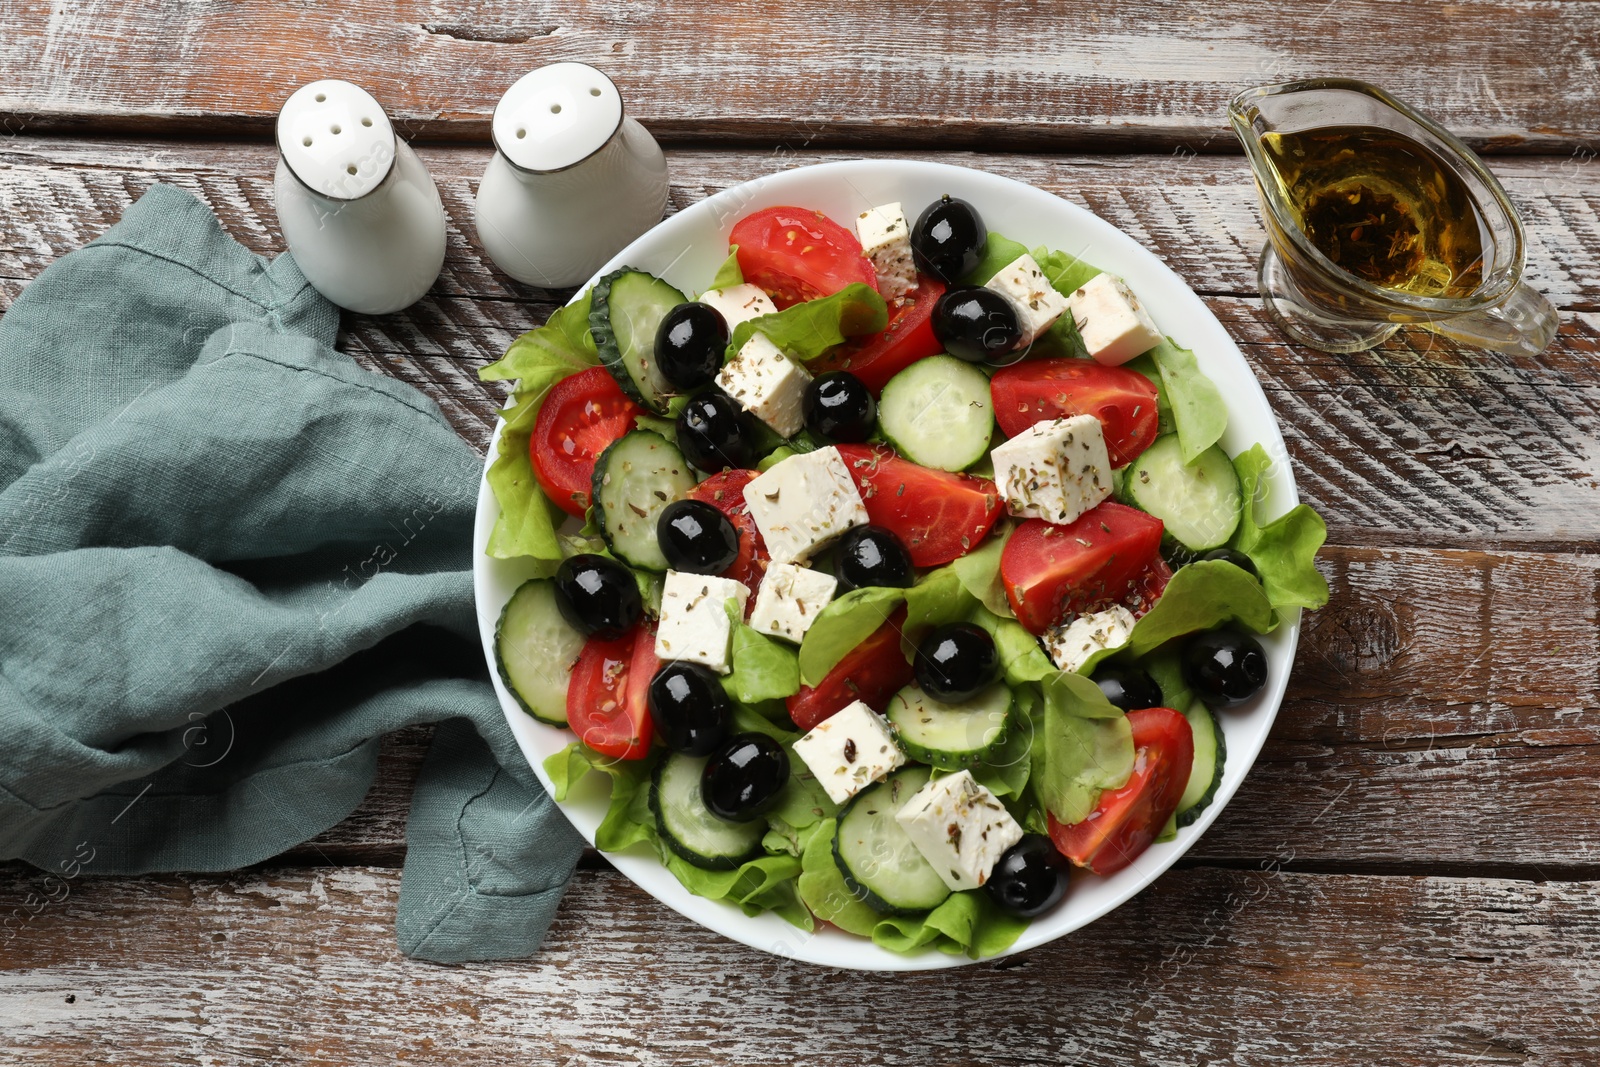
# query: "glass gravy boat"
[1321,304]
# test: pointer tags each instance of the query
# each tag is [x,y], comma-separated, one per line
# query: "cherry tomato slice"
[606,698]
[938,516]
[908,338]
[581,415]
[796,254]
[725,492]
[1106,557]
[1123,400]
[1126,820]
[873,671]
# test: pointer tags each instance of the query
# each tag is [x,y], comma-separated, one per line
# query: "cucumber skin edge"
[681,850]
[505,675]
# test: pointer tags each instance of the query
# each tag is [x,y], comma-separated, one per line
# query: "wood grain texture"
[1207,967]
[1417,442]
[1508,74]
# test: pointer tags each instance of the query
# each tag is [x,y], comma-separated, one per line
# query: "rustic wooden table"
[1410,875]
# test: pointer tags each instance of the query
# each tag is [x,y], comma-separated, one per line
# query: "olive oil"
[1382,207]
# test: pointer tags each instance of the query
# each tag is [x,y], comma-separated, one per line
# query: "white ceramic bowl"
[686,250]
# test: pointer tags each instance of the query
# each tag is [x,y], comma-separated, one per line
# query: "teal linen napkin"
[230,561]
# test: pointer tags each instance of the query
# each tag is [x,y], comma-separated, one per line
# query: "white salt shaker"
[359,210]
[572,180]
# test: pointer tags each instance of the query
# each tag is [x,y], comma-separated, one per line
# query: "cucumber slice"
[1199,503]
[950,736]
[687,825]
[535,649]
[1210,751]
[635,477]
[937,412]
[880,864]
[626,308]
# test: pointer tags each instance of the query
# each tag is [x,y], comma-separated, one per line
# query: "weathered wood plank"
[1440,716]
[1199,213]
[1240,967]
[1513,74]
[1416,442]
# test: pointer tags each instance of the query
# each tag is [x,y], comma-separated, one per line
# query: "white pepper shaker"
[572,180]
[359,210]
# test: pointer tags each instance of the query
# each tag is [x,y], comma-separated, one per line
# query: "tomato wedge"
[907,338]
[937,515]
[1103,558]
[1123,400]
[797,254]
[581,415]
[606,698]
[725,492]
[873,671]
[1126,820]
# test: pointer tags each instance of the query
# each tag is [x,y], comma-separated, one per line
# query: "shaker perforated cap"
[556,116]
[336,139]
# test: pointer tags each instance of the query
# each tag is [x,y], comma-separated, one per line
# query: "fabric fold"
[230,561]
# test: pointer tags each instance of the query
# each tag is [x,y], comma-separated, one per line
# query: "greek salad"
[892,581]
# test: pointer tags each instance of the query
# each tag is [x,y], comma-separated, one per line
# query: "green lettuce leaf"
[965,923]
[1198,412]
[979,572]
[1066,273]
[764,668]
[807,330]
[766,883]
[729,273]
[539,358]
[1006,770]
[843,625]
[1146,365]
[1020,655]
[1083,745]
[1285,549]
[937,598]
[999,251]
[1200,596]
[1166,670]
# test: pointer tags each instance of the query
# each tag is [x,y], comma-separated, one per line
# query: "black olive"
[1030,877]
[1130,690]
[744,776]
[690,708]
[948,240]
[1224,667]
[956,662]
[713,433]
[696,537]
[976,324]
[871,555]
[690,344]
[839,407]
[598,596]
[1238,559]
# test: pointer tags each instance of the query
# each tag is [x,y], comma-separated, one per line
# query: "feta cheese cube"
[1114,326]
[803,502]
[886,239]
[694,623]
[768,384]
[739,302]
[1054,471]
[1038,304]
[789,600]
[1072,643]
[850,750]
[960,828]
